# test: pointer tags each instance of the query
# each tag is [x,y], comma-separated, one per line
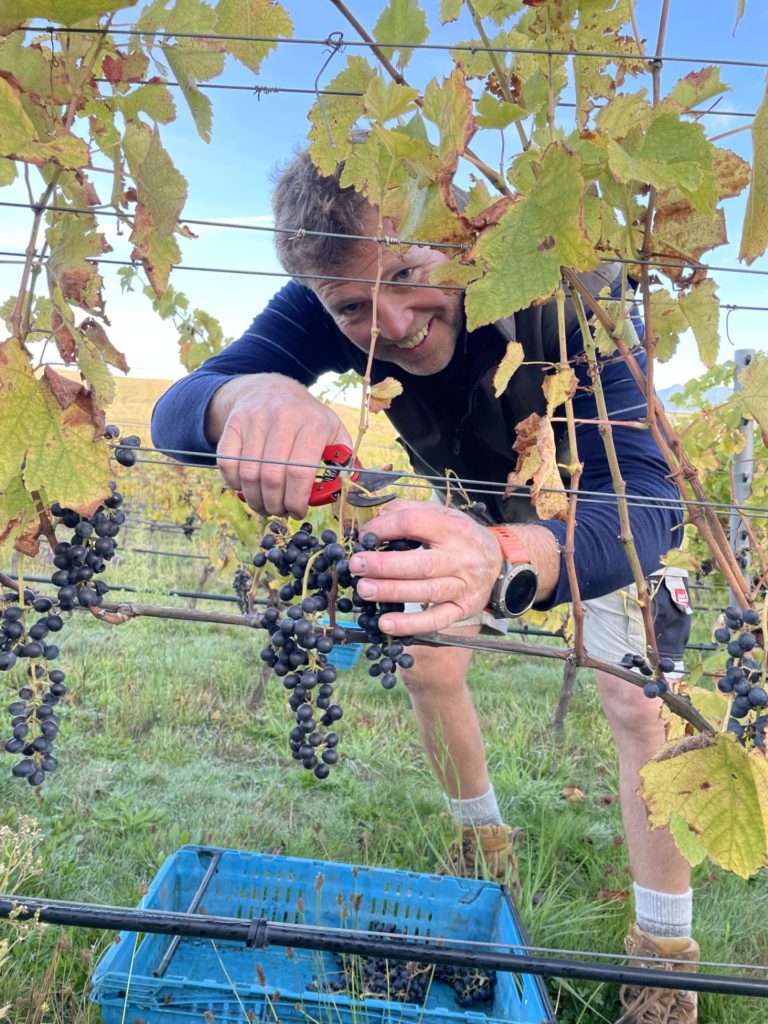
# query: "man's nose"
[394,315]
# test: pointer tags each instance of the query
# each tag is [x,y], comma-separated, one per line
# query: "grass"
[160,746]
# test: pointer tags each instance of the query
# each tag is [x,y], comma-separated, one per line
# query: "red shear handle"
[327,488]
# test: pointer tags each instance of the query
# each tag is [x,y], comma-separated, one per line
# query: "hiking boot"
[485,851]
[658,1005]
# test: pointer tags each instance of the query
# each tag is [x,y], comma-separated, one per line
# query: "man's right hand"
[267,416]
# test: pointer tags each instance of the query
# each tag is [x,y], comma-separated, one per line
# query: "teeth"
[415,340]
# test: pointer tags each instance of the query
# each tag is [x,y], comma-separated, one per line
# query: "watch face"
[521,591]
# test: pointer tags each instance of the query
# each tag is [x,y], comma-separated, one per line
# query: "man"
[251,402]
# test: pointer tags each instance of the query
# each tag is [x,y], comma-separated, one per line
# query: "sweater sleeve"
[655,509]
[293,336]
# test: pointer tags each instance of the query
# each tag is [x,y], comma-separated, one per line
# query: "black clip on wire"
[257,934]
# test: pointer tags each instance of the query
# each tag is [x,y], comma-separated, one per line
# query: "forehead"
[364,263]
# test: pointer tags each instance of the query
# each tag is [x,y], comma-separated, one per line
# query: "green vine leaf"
[70,263]
[491,112]
[668,323]
[754,238]
[61,12]
[448,104]
[401,21]
[252,18]
[450,10]
[672,153]
[333,117]
[154,100]
[191,64]
[720,790]
[548,222]
[701,308]
[385,100]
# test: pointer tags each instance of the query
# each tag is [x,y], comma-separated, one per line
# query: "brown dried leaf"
[537,462]
[65,341]
[383,393]
[98,336]
[572,793]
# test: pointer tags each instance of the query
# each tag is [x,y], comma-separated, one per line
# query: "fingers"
[270,451]
[434,619]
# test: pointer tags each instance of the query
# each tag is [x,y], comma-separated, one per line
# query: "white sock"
[480,810]
[667,915]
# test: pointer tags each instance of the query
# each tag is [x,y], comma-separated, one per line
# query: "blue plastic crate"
[225,982]
[344,655]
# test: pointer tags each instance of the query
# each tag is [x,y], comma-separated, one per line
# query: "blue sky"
[230,178]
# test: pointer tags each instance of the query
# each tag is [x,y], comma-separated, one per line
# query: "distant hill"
[712,397]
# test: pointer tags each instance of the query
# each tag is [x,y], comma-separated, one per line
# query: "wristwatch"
[515,589]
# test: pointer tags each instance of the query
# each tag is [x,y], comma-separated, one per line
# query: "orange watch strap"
[511,548]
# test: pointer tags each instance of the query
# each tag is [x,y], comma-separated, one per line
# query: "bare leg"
[655,861]
[446,718]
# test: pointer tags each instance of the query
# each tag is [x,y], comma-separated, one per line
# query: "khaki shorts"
[613,624]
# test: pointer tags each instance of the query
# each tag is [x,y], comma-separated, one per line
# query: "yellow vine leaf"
[512,358]
[381,394]
[559,387]
[701,308]
[49,435]
[696,87]
[546,223]
[711,703]
[720,791]
[754,238]
[537,463]
[252,18]
[20,141]
[19,521]
[754,381]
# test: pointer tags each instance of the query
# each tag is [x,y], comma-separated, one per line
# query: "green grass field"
[162,743]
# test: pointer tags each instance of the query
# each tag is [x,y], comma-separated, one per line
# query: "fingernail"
[357,565]
[366,588]
[384,625]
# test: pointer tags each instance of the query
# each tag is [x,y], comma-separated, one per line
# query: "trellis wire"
[490,486]
[638,58]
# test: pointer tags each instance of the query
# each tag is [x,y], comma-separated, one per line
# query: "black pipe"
[260,932]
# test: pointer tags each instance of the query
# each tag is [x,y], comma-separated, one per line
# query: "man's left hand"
[454,570]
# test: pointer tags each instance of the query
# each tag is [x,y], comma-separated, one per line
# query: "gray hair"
[303,198]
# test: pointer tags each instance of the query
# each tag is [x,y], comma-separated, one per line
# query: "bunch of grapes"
[743,677]
[28,628]
[655,687]
[407,981]
[318,581]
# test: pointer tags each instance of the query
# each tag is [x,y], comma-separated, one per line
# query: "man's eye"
[351,307]
[404,274]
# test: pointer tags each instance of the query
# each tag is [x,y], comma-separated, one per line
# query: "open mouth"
[415,340]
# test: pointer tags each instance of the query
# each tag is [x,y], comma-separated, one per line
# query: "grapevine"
[26,642]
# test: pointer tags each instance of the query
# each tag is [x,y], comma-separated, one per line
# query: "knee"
[635,720]
[434,670]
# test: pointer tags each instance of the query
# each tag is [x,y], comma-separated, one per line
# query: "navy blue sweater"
[294,336]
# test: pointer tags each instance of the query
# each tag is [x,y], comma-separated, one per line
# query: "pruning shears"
[340,458]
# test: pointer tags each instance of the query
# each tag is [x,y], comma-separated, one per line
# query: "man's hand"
[271,417]
[454,571]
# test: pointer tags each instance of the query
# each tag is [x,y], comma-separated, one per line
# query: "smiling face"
[419,327]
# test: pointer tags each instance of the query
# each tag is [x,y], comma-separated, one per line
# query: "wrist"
[517,583]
